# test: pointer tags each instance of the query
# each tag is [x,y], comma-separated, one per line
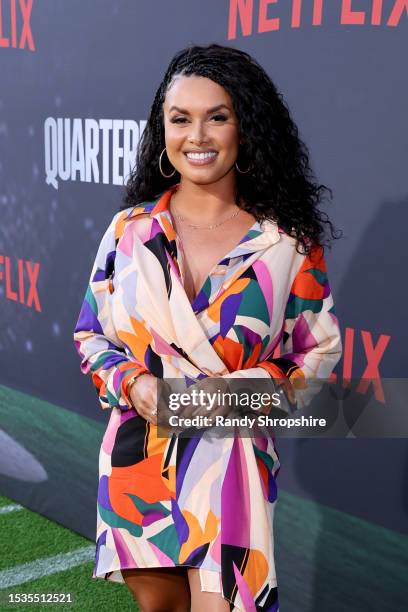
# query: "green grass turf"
[64,442]
[5,501]
[23,533]
[89,594]
[31,536]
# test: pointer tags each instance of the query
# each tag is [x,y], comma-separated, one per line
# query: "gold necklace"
[180,218]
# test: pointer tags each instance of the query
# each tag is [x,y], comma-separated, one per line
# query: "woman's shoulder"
[285,241]
[125,216]
[131,212]
[278,235]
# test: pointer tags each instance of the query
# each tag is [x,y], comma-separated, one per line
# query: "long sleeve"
[102,353]
[311,336]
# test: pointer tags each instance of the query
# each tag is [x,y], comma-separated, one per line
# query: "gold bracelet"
[130,384]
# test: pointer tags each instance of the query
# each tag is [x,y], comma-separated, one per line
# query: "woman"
[215,257]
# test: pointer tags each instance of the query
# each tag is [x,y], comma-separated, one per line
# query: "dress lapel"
[233,265]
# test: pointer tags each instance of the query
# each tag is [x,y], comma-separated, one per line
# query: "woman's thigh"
[159,589]
[204,600]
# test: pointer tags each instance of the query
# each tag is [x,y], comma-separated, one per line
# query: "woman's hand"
[207,392]
[144,395]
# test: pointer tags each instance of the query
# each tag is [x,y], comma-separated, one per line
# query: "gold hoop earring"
[242,171]
[160,167]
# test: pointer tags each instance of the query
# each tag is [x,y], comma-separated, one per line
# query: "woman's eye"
[183,119]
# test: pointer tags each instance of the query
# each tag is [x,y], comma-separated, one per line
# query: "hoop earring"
[160,166]
[242,171]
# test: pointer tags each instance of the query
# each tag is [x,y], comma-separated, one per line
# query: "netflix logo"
[373,351]
[258,16]
[15,28]
[20,281]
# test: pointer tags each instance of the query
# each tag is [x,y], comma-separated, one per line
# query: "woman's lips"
[201,162]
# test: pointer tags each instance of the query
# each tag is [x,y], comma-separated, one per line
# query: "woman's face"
[193,123]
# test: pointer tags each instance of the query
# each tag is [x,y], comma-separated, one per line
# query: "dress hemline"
[109,577]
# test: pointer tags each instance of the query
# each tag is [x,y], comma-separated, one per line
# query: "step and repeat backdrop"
[77,80]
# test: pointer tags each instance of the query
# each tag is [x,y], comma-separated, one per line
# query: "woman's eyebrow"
[210,110]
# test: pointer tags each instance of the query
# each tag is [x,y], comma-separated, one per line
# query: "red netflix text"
[373,352]
[263,15]
[20,281]
[15,29]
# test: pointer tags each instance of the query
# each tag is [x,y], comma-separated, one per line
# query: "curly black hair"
[280,185]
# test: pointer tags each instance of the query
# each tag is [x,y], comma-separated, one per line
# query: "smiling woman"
[202,144]
[200,133]
[215,259]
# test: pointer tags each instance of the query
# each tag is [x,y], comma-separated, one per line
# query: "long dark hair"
[280,185]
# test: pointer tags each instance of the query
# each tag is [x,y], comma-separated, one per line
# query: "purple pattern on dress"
[229,310]
[103,493]
[272,488]
[182,466]
[326,290]
[99,276]
[251,337]
[197,553]
[88,320]
[302,336]
[112,360]
[274,607]
[151,517]
[236,516]
[126,415]
[124,554]
[101,541]
[180,522]
[244,592]
[200,302]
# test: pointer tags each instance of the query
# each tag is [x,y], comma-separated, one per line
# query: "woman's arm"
[103,354]
[311,338]
[311,335]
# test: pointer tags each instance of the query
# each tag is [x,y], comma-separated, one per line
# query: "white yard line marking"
[44,567]
[10,508]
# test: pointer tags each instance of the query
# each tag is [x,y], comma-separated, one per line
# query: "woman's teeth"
[201,155]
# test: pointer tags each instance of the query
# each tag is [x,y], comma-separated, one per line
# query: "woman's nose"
[197,133]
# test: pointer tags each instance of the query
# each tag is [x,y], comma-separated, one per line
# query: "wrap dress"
[265,310]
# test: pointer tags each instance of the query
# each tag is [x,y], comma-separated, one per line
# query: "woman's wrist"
[131,383]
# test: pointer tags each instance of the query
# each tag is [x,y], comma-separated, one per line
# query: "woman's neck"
[203,203]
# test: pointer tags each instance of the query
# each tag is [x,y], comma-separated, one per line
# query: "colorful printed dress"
[196,502]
